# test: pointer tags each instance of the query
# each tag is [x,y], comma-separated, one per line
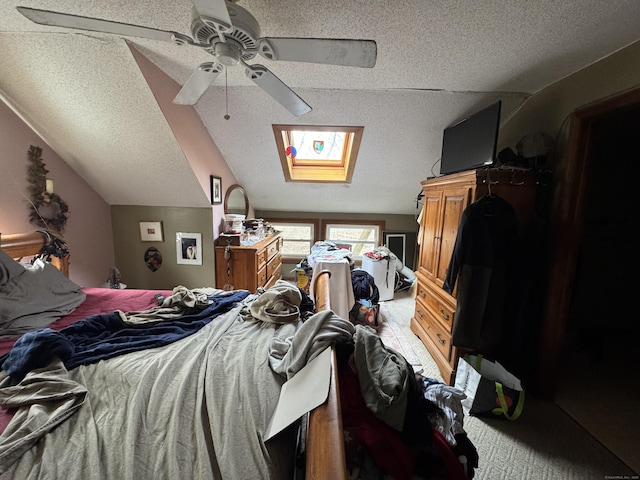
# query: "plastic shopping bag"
[491,390]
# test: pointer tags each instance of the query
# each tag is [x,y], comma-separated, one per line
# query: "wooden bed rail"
[322,291]
[18,245]
[325,459]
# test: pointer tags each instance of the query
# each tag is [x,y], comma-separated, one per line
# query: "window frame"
[309,221]
[301,170]
[378,224]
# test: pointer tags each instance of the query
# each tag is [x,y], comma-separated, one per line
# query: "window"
[362,237]
[298,236]
[312,153]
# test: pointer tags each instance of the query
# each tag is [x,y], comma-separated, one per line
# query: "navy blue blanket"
[103,336]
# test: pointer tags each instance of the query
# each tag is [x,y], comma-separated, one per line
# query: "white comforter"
[195,409]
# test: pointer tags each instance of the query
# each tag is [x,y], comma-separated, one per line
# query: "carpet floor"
[543,444]
[391,333]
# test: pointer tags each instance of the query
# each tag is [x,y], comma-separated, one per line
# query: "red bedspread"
[99,300]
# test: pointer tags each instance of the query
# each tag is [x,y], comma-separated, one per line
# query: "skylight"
[312,153]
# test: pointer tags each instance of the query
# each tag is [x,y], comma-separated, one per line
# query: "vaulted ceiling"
[437,62]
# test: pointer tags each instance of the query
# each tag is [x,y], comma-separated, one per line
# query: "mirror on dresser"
[247,257]
[236,201]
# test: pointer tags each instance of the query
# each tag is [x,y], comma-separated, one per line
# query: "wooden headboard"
[19,245]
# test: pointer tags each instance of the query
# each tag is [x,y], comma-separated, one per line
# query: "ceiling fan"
[233,37]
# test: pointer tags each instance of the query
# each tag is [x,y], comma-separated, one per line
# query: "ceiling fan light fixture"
[228,53]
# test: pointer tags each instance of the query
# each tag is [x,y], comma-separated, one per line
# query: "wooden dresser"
[445,198]
[250,267]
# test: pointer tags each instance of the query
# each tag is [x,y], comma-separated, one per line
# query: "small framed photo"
[151,232]
[216,189]
[189,248]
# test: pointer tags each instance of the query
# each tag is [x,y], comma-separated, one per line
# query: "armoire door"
[453,204]
[430,239]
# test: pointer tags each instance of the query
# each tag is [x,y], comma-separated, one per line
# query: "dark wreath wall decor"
[48,210]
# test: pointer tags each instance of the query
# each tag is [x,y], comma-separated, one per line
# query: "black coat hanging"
[482,266]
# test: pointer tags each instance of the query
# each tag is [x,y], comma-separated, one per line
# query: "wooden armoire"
[445,198]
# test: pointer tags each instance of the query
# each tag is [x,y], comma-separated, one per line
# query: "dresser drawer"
[261,258]
[272,249]
[272,280]
[442,311]
[421,314]
[273,265]
[440,337]
[262,277]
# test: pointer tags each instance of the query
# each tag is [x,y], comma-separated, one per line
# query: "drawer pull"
[440,339]
[419,313]
[444,314]
[423,294]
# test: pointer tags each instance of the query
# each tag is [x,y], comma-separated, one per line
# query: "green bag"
[491,390]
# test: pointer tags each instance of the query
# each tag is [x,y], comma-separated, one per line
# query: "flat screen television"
[471,143]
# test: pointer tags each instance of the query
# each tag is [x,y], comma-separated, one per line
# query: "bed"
[186,383]
[88,431]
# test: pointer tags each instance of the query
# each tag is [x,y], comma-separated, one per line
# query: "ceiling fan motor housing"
[245,31]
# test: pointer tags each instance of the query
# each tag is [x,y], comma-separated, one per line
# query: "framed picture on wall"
[151,232]
[216,189]
[189,248]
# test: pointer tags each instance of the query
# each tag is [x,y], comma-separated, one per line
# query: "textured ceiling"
[438,61]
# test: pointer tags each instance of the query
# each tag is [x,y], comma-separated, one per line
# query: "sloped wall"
[190,132]
[88,231]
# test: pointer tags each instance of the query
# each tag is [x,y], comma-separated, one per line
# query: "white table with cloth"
[327,256]
[341,289]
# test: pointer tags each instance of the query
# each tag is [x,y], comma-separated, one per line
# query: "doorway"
[592,325]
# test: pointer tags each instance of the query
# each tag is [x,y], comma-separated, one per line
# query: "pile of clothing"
[396,422]
[366,308]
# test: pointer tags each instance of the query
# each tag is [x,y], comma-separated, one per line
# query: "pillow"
[34,297]
[8,267]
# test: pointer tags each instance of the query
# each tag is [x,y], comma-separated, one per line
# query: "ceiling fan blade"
[56,19]
[331,51]
[271,84]
[214,12]
[198,83]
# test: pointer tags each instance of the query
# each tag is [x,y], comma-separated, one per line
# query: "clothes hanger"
[488,181]
[487,200]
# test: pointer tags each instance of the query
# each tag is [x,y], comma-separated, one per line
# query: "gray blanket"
[195,409]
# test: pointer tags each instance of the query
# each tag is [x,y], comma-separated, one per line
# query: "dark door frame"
[565,233]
